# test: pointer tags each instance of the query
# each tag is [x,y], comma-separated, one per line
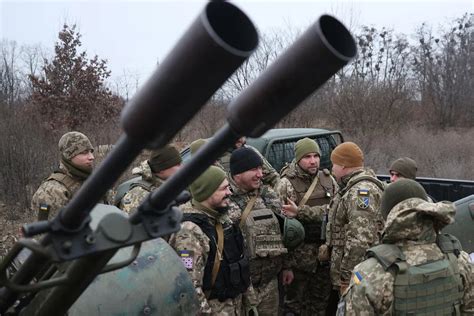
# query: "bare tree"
[445,72]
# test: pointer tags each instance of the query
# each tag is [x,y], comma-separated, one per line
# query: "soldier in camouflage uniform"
[212,247]
[270,176]
[76,163]
[355,222]
[403,168]
[254,207]
[161,165]
[306,192]
[412,244]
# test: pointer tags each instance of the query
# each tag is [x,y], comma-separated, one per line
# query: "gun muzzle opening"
[213,47]
[230,28]
[337,38]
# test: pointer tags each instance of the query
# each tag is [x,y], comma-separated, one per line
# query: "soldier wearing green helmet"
[416,270]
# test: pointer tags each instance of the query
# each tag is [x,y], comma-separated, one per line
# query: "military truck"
[277,146]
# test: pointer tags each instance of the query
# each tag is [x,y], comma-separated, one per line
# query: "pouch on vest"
[431,288]
[263,235]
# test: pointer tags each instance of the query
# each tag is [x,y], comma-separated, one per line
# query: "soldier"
[163,163]
[306,191]
[416,270]
[196,145]
[212,247]
[270,176]
[76,164]
[255,207]
[403,168]
[355,222]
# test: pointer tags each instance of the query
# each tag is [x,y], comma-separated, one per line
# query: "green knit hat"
[196,145]
[306,146]
[399,191]
[405,166]
[207,183]
[164,158]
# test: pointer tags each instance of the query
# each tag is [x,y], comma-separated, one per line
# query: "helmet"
[156,283]
[293,233]
[73,143]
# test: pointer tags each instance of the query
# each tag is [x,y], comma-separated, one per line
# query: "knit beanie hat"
[73,143]
[405,166]
[347,154]
[399,191]
[196,145]
[164,158]
[306,146]
[244,159]
[207,183]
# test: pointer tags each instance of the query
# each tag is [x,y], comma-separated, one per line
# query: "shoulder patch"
[357,277]
[187,257]
[363,199]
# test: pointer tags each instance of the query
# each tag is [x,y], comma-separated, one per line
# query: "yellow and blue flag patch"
[357,277]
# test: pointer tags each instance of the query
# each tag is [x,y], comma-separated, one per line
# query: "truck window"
[282,151]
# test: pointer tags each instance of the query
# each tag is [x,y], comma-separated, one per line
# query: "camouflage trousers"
[265,299]
[230,307]
[309,292]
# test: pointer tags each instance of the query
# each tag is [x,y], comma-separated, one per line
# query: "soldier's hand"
[343,288]
[287,277]
[290,210]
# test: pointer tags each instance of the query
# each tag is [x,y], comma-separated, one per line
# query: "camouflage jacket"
[56,191]
[407,226]
[355,223]
[270,176]
[294,183]
[132,199]
[192,241]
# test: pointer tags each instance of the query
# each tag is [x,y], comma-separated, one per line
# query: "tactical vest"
[337,234]
[321,195]
[233,277]
[70,183]
[126,186]
[431,288]
[264,245]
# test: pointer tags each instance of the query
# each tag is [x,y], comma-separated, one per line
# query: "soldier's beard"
[222,209]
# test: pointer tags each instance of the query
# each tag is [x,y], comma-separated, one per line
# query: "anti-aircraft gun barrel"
[213,47]
[307,64]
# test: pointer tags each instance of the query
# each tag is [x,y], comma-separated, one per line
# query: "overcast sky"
[134,35]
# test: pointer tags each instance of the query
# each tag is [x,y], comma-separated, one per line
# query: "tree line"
[397,86]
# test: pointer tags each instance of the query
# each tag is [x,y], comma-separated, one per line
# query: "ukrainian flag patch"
[357,277]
